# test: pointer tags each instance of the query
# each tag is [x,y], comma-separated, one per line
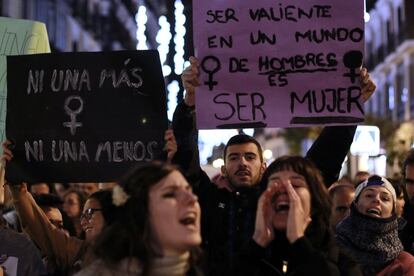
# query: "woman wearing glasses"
[97,212]
[69,254]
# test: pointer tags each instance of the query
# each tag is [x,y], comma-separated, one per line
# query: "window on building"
[380,43]
[400,25]
[51,21]
[368,108]
[31,12]
[78,9]
[88,14]
[29,9]
[381,108]
[389,98]
[75,46]
[84,12]
[390,37]
[41,11]
[96,21]
[411,74]
[401,93]
[24,9]
[369,55]
[61,36]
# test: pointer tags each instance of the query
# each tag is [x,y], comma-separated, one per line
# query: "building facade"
[389,52]
[389,56]
[80,25]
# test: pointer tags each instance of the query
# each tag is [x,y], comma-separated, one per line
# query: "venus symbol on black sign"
[73,124]
[352,60]
[210,68]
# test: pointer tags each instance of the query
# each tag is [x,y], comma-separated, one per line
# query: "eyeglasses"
[88,213]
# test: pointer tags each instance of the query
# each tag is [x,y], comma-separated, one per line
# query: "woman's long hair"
[130,233]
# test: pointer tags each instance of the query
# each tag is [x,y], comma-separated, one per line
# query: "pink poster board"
[286,63]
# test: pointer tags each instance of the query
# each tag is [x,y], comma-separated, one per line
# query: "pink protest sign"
[286,63]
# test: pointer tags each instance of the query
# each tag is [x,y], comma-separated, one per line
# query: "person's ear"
[263,167]
[223,171]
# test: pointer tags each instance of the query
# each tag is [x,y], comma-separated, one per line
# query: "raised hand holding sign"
[278,63]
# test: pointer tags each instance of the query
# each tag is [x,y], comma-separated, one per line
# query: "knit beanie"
[376,180]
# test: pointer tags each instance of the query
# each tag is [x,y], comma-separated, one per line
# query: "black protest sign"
[84,117]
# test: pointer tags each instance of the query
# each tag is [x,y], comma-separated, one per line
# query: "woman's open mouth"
[281,206]
[374,212]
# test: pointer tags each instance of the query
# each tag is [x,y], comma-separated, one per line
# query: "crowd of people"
[290,217]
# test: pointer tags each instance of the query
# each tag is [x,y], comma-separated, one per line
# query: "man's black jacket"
[228,218]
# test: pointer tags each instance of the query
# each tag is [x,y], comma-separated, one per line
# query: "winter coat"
[375,244]
[403,265]
[228,217]
[303,257]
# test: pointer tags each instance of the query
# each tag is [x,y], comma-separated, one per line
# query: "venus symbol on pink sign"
[286,63]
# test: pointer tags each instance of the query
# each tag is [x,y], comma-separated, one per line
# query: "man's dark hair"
[48,201]
[240,139]
[409,160]
[398,186]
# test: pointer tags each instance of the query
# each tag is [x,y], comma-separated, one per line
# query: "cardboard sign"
[284,63]
[17,37]
[84,117]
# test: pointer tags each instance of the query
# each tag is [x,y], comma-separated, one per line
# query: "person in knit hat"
[376,182]
[370,232]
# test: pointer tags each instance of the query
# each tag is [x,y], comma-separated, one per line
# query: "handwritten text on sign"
[278,63]
[84,117]
[17,37]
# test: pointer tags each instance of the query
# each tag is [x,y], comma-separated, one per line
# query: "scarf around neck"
[373,242]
